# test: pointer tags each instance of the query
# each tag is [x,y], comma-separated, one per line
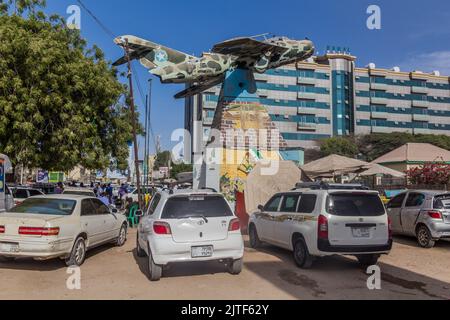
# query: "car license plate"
[361,232]
[9,247]
[202,252]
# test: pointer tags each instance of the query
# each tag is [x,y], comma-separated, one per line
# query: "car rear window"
[179,207]
[20,194]
[59,207]
[442,201]
[350,205]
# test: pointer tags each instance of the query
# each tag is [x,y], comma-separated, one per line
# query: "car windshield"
[80,193]
[210,206]
[442,201]
[59,207]
[350,205]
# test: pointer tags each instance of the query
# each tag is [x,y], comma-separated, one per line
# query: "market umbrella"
[374,169]
[333,165]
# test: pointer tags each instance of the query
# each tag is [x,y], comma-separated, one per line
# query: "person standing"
[109,192]
[59,188]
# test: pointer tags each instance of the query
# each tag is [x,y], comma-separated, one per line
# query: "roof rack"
[320,185]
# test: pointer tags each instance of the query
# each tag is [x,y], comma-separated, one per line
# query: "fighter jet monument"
[231,63]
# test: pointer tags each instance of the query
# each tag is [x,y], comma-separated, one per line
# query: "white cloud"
[428,62]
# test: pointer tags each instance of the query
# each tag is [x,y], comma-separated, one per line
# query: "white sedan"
[59,226]
[188,225]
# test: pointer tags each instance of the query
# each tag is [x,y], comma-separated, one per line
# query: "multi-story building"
[329,96]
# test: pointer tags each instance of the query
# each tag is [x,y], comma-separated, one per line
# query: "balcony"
[306,126]
[262,93]
[422,131]
[260,77]
[210,105]
[420,103]
[378,86]
[379,115]
[304,80]
[419,90]
[307,95]
[379,100]
[421,117]
[306,111]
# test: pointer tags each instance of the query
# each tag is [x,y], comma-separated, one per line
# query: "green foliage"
[342,146]
[378,144]
[162,159]
[59,101]
[180,168]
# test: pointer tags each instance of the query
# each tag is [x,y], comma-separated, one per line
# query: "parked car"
[318,220]
[63,226]
[22,193]
[187,225]
[79,192]
[424,214]
[6,200]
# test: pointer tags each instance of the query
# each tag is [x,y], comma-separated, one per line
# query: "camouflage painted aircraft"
[173,66]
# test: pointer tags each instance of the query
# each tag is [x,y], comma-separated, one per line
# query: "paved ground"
[117,273]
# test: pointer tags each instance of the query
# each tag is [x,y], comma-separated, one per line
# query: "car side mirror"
[139,213]
[114,210]
[261,207]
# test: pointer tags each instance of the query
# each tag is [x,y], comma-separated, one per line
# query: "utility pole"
[146,144]
[150,171]
[133,121]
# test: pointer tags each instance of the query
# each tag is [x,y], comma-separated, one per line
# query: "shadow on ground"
[47,265]
[184,269]
[324,279]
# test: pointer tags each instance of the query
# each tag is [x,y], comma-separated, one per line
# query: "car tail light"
[435,215]
[323,227]
[2,229]
[17,202]
[390,228]
[235,225]
[161,228]
[33,231]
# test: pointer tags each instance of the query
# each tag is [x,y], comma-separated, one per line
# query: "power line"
[108,31]
[113,36]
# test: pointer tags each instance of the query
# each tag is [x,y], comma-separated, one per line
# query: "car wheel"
[154,270]
[301,255]
[366,260]
[78,254]
[122,238]
[424,237]
[139,251]
[254,238]
[235,266]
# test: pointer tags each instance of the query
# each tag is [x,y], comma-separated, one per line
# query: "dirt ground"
[409,272]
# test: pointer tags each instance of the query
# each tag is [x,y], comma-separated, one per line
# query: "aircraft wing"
[200,87]
[246,48]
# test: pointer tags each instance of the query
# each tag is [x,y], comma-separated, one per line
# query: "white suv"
[320,219]
[187,225]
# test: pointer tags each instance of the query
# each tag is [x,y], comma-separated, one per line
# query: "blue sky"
[414,35]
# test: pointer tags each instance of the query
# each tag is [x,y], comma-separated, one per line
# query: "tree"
[162,159]
[378,144]
[430,174]
[342,146]
[180,168]
[61,103]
